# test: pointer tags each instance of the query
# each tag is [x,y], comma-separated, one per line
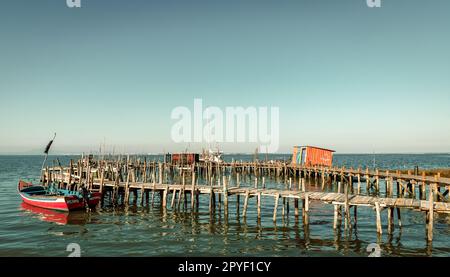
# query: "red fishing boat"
[56,199]
[53,198]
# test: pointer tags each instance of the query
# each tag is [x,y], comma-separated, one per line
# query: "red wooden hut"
[311,156]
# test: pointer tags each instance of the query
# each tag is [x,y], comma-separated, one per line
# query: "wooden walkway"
[343,188]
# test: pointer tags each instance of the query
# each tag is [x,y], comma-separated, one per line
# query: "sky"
[344,76]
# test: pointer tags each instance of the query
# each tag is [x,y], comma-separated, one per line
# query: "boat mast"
[47,149]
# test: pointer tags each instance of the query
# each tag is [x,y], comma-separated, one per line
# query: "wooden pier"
[180,187]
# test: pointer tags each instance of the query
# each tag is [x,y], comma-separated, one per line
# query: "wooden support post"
[399,217]
[154,186]
[258,199]
[422,191]
[88,177]
[413,189]
[174,194]
[306,209]
[391,186]
[164,200]
[359,181]
[390,215]
[80,176]
[102,180]
[315,174]
[244,211]
[144,177]
[182,194]
[225,194]
[378,211]
[401,188]
[431,213]
[70,172]
[193,190]
[127,188]
[377,180]
[336,216]
[350,181]
[277,197]
[116,188]
[238,180]
[435,185]
[160,171]
[323,178]
[367,180]
[142,194]
[347,206]
[386,180]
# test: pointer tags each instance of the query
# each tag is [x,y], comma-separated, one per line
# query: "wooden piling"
[377,180]
[160,171]
[193,190]
[225,195]
[347,206]
[306,209]
[386,180]
[336,215]
[277,197]
[174,194]
[422,188]
[359,181]
[127,188]
[390,215]
[367,180]
[244,211]
[378,211]
[164,199]
[430,213]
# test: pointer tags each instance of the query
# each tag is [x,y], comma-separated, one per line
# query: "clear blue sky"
[344,76]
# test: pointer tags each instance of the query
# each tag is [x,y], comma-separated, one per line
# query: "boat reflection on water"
[62,218]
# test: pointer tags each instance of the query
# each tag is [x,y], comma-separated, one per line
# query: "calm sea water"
[151,231]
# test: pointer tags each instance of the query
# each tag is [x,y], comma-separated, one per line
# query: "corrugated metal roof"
[299,146]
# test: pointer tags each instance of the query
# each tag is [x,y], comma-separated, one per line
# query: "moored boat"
[56,199]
